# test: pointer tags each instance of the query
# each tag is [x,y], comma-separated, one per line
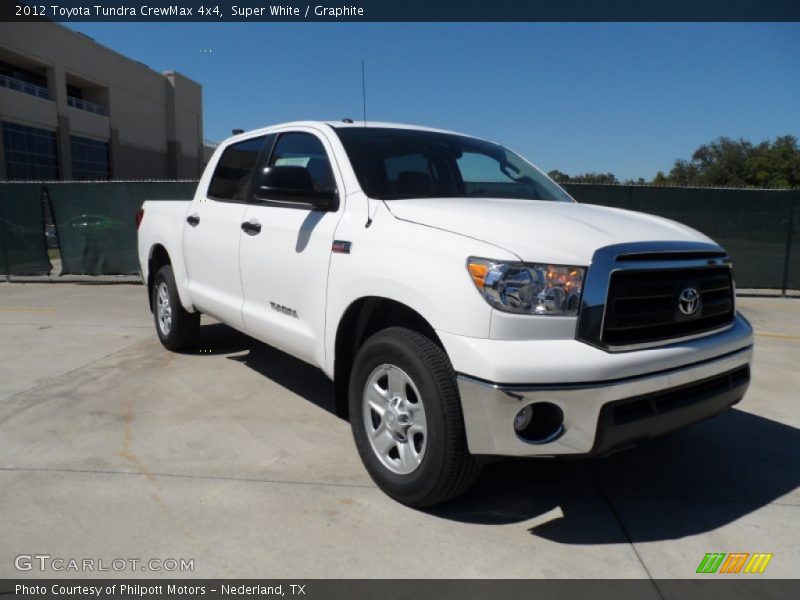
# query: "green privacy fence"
[23,247]
[94,224]
[760,229]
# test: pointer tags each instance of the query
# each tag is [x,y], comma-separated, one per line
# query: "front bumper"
[604,414]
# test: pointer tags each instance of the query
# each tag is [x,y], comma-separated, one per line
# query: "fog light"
[539,423]
[523,419]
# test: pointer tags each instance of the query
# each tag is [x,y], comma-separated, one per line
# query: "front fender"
[421,267]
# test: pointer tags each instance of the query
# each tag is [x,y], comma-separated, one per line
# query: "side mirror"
[292,184]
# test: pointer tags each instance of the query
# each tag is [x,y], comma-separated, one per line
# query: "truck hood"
[541,231]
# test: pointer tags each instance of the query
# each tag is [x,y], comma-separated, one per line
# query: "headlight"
[529,289]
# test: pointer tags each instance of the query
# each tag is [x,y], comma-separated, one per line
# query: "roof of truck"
[338,125]
[385,125]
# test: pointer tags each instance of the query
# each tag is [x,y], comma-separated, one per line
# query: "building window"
[89,159]
[76,99]
[23,80]
[91,107]
[74,92]
[30,153]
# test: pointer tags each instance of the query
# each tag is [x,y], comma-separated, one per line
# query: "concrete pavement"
[112,447]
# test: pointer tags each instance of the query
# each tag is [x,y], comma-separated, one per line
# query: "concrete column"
[200,166]
[3,171]
[173,146]
[52,84]
[201,163]
[57,85]
[173,154]
[115,157]
[64,148]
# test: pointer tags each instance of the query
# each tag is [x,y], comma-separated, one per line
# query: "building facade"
[72,109]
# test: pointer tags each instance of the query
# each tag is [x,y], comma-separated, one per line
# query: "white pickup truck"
[463,303]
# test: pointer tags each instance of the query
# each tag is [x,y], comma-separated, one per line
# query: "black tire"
[447,468]
[184,327]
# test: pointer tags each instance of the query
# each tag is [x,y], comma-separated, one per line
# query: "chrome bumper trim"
[489,409]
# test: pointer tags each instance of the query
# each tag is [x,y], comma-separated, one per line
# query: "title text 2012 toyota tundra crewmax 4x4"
[463,303]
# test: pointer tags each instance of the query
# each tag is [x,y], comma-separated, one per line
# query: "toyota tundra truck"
[465,306]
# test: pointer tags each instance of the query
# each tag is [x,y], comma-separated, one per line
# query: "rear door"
[286,253]
[212,233]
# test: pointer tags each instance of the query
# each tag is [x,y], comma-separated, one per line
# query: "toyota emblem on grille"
[689,301]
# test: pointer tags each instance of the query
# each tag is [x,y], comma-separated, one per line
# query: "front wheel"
[177,329]
[406,418]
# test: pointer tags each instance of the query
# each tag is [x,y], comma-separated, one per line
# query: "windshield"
[408,163]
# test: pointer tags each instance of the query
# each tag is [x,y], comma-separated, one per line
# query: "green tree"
[602,178]
[739,163]
[776,164]
[558,176]
[660,179]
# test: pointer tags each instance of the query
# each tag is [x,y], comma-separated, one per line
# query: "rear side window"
[304,150]
[231,178]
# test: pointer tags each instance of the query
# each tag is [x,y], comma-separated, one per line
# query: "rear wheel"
[177,329]
[406,418]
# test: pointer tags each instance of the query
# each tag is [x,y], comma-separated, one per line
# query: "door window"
[231,179]
[304,150]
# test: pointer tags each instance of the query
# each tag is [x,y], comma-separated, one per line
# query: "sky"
[580,97]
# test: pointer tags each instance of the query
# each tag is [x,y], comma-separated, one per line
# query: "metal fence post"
[788,254]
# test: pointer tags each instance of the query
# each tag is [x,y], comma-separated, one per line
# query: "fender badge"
[284,309]
[341,247]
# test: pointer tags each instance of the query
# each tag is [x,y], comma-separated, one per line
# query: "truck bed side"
[161,231]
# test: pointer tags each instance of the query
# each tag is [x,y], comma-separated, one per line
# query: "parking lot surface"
[231,455]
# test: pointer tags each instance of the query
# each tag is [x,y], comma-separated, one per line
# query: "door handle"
[193,220]
[251,227]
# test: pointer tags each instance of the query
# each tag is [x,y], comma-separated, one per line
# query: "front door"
[285,253]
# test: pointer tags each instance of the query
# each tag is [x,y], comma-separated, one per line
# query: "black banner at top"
[398,10]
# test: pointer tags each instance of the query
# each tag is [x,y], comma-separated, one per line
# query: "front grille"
[642,306]
[665,401]
[624,422]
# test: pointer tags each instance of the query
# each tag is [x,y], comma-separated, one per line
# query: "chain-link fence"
[85,231]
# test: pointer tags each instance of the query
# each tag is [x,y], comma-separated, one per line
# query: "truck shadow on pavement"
[291,373]
[689,482]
